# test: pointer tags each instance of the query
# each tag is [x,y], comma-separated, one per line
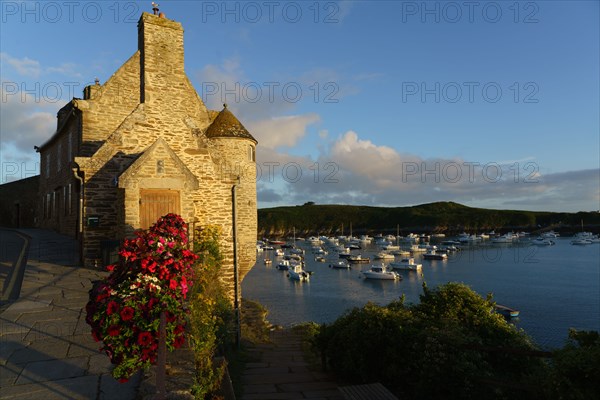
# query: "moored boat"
[382,255]
[507,311]
[358,259]
[380,272]
[432,255]
[296,272]
[406,264]
[339,265]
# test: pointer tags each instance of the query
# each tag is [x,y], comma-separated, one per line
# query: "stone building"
[144,144]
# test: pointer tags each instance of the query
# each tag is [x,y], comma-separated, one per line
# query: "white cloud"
[281,131]
[358,171]
[24,123]
[29,68]
[24,66]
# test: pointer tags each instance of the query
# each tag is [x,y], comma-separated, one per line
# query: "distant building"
[144,144]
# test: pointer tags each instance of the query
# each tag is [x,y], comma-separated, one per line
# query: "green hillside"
[443,217]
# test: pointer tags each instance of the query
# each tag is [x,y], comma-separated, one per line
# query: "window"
[49,205]
[47,165]
[67,199]
[59,156]
[251,153]
[70,147]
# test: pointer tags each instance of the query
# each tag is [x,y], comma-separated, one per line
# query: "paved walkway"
[46,349]
[280,372]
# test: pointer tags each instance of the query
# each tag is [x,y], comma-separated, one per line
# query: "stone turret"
[237,149]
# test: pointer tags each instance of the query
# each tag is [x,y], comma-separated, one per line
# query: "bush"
[211,314]
[436,349]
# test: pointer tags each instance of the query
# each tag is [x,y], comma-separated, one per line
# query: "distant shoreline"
[441,217]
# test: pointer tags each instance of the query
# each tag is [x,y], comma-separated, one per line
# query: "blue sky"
[490,104]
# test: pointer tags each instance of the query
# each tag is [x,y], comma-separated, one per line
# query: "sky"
[490,104]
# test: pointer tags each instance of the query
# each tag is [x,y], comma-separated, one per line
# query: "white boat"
[285,265]
[382,255]
[581,242]
[550,235]
[339,265]
[540,241]
[506,238]
[390,247]
[417,249]
[406,264]
[380,272]
[358,259]
[401,253]
[432,255]
[279,253]
[297,273]
[267,261]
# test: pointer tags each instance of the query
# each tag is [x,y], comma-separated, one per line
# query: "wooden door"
[155,203]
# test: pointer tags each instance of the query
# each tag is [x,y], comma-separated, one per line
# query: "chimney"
[160,42]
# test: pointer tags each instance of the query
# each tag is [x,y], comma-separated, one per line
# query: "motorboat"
[390,247]
[279,253]
[540,241]
[358,259]
[506,238]
[401,253]
[268,261]
[405,264]
[380,272]
[320,259]
[339,265]
[382,255]
[550,235]
[581,242]
[296,272]
[433,255]
[285,265]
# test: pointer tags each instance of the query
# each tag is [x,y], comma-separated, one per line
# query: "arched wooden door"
[155,203]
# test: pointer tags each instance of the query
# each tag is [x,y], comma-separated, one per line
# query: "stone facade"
[18,203]
[143,144]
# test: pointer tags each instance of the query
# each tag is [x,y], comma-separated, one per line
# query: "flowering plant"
[153,276]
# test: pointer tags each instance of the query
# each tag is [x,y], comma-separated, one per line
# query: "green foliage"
[211,314]
[576,368]
[436,349]
[439,216]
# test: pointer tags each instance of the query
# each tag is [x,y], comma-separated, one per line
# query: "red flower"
[127,313]
[123,380]
[112,308]
[114,330]
[179,340]
[172,284]
[178,330]
[95,336]
[145,338]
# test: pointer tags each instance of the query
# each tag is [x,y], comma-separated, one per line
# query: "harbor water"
[554,287]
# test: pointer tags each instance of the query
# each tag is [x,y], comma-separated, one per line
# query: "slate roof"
[227,125]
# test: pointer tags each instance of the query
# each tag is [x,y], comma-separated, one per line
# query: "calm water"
[555,287]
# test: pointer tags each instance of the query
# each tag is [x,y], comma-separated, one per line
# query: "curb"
[12,286]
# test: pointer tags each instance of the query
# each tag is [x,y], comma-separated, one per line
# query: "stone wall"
[18,203]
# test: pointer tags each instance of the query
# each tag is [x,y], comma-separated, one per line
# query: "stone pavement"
[46,349]
[280,372]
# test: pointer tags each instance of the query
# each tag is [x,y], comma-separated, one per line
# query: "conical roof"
[227,125]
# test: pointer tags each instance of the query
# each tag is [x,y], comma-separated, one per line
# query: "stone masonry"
[143,144]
